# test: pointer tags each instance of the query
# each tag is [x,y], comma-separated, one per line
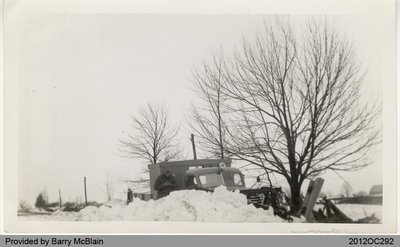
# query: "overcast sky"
[82,75]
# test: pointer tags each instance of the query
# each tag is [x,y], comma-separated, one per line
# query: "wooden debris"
[332,214]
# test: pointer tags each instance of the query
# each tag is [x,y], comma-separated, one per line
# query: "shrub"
[40,202]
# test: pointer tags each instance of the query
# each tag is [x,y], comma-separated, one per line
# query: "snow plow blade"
[266,197]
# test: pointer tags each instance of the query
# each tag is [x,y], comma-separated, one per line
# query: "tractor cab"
[212,177]
[205,174]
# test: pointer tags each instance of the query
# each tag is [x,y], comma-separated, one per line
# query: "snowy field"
[359,211]
[186,205]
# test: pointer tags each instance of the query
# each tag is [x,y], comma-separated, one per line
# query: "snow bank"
[185,205]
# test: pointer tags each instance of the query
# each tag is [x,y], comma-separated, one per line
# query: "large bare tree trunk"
[295,196]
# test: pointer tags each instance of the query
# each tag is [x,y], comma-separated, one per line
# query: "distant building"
[376,190]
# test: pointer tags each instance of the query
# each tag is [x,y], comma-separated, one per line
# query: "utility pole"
[84,182]
[59,194]
[194,146]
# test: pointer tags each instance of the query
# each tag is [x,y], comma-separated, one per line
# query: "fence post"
[59,194]
[312,195]
[84,183]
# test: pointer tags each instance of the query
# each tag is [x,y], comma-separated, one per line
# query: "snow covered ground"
[359,211]
[186,205]
[191,205]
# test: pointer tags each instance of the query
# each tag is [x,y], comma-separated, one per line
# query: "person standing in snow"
[165,183]
[130,196]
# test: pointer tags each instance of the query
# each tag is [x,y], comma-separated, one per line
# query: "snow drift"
[185,205]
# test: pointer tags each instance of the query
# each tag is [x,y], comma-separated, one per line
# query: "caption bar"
[54,241]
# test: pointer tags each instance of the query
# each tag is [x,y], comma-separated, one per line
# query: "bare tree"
[23,206]
[294,100]
[207,121]
[109,186]
[347,189]
[153,138]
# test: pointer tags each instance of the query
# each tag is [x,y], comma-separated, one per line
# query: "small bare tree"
[347,189]
[153,137]
[109,186]
[23,206]
[294,101]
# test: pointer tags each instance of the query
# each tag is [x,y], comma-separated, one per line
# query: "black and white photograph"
[191,121]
